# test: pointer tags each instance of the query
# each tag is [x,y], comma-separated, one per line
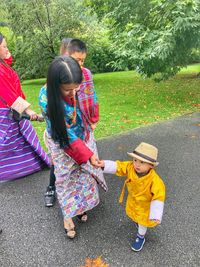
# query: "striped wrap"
[20,151]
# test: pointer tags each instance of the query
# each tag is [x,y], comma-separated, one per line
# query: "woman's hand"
[93,126]
[33,115]
[95,161]
[102,163]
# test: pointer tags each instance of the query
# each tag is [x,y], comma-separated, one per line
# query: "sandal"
[83,217]
[70,233]
[69,228]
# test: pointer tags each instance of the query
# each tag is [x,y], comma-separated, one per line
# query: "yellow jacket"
[145,194]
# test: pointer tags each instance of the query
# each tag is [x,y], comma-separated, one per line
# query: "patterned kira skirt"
[76,185]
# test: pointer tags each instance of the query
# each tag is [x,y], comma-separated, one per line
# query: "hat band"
[144,156]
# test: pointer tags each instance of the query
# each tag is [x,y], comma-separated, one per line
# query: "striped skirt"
[20,151]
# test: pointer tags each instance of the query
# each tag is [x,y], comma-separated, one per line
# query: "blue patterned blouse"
[76,130]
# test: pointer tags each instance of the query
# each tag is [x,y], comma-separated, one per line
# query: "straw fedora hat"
[145,152]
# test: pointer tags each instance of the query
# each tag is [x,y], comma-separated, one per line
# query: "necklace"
[73,118]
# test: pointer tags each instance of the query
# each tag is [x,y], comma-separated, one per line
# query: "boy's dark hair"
[76,45]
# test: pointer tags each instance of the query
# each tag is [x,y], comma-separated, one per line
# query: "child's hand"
[155,220]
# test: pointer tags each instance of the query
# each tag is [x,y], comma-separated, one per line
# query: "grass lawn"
[128,101]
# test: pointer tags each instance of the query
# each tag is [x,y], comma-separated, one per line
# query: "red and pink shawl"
[87,100]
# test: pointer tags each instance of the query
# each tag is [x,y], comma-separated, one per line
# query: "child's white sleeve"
[156,210]
[110,166]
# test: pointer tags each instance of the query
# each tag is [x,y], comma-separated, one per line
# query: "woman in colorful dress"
[73,152]
[20,151]
[87,99]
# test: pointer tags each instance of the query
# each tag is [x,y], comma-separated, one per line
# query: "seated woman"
[20,151]
[70,142]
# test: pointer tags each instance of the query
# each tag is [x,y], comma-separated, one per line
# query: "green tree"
[39,26]
[155,36]
[3,15]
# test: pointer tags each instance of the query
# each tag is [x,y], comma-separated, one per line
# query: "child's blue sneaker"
[138,243]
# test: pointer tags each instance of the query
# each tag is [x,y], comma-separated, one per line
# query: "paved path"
[33,235]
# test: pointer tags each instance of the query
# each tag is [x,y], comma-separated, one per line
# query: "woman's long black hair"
[63,70]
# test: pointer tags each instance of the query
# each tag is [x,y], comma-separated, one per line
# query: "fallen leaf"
[121,147]
[95,263]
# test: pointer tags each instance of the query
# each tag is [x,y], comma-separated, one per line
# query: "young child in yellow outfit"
[146,190]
